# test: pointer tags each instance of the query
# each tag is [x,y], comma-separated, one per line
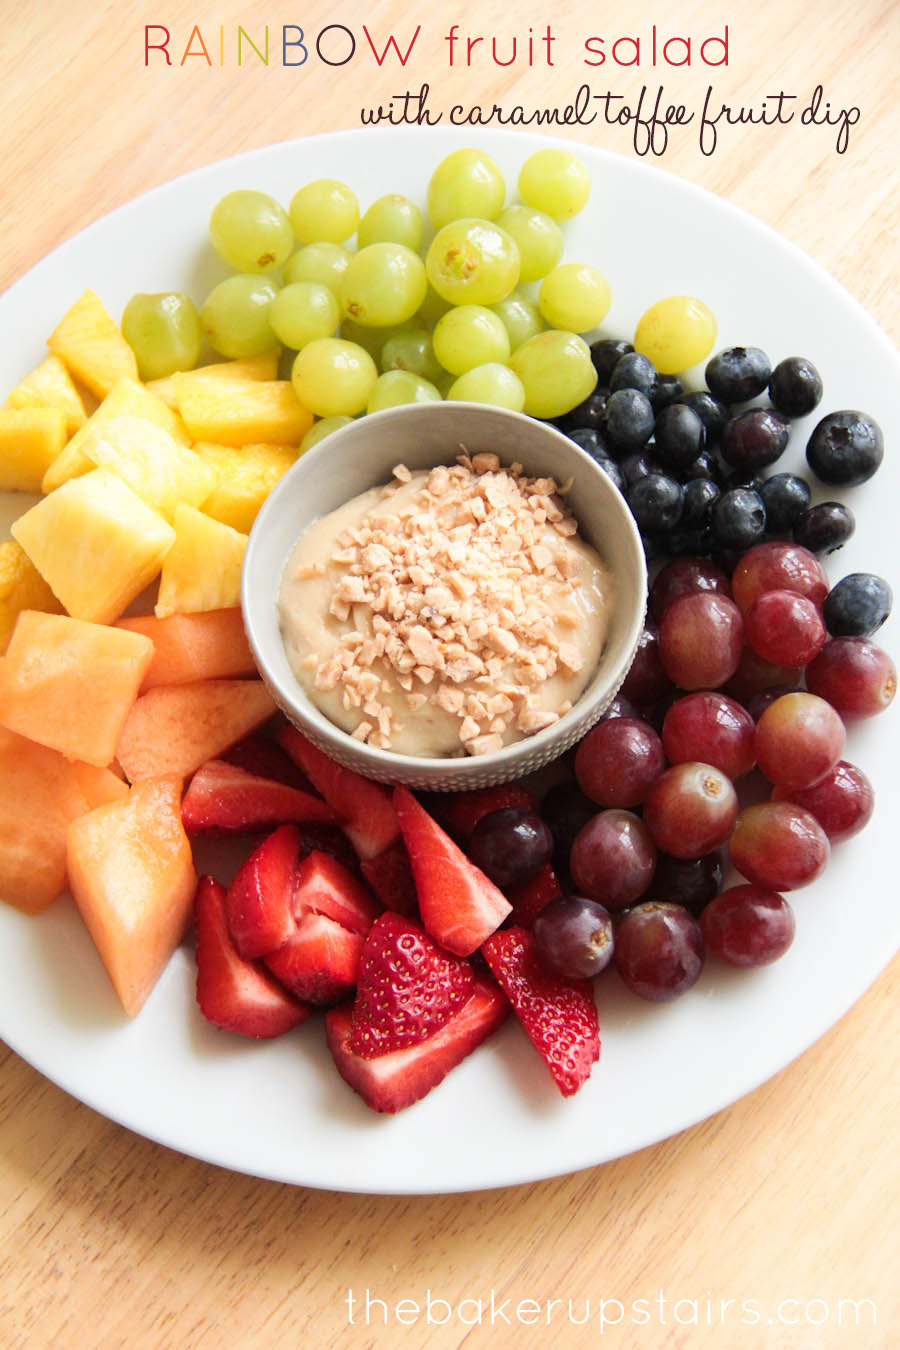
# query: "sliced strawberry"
[390,876]
[460,906]
[465,809]
[559,1016]
[395,1080]
[319,962]
[235,994]
[364,807]
[225,799]
[325,887]
[259,904]
[530,898]
[407,988]
[259,754]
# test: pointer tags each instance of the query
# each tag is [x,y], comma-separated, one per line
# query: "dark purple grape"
[629,421]
[691,882]
[656,502]
[605,353]
[785,496]
[573,937]
[825,528]
[738,374]
[659,950]
[613,858]
[748,926]
[510,846]
[704,466]
[755,439]
[712,412]
[646,680]
[857,606]
[846,448]
[619,707]
[795,387]
[566,810]
[633,371]
[680,436]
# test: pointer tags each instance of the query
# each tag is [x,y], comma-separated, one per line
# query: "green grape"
[391,219]
[250,231]
[491,383]
[322,263]
[400,386]
[574,296]
[676,333]
[332,376]
[433,307]
[466,183]
[470,335]
[235,316]
[472,262]
[304,311]
[557,372]
[555,181]
[521,318]
[325,210]
[164,333]
[411,349]
[383,285]
[538,237]
[324,427]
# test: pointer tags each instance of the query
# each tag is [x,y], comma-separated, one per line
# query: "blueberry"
[699,496]
[857,606]
[846,448]
[754,439]
[633,371]
[589,413]
[825,527]
[692,542]
[712,412]
[629,420]
[590,440]
[612,471]
[738,519]
[704,466]
[786,496]
[738,374]
[680,436]
[795,387]
[656,502]
[638,465]
[669,389]
[605,353]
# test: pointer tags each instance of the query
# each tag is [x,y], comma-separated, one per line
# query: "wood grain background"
[790,1194]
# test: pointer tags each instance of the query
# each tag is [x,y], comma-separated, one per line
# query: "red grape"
[574,937]
[691,809]
[683,576]
[842,802]
[798,739]
[510,846]
[711,727]
[646,679]
[748,926]
[618,761]
[613,858]
[754,676]
[779,845]
[658,951]
[775,566]
[700,640]
[855,675]
[785,628]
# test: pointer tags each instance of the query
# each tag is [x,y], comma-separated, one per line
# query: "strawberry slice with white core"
[559,1016]
[390,876]
[260,900]
[530,897]
[364,807]
[320,961]
[225,799]
[259,754]
[325,886]
[407,988]
[235,994]
[460,906]
[396,1080]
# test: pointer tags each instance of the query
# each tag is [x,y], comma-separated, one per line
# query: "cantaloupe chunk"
[126,398]
[175,728]
[132,877]
[153,464]
[49,385]
[89,342]
[21,587]
[264,367]
[30,440]
[189,647]
[202,569]
[245,476]
[241,412]
[70,685]
[95,543]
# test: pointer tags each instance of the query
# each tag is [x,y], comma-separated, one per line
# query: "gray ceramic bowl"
[362,455]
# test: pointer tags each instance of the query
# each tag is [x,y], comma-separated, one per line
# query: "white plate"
[278,1110]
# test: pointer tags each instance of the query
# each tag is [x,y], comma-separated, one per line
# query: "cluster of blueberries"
[690,464]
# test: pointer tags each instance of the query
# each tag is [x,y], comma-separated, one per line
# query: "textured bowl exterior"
[362,455]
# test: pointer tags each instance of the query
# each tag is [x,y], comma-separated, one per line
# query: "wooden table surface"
[109,1240]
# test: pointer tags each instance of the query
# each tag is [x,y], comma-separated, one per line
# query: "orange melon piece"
[211,645]
[38,800]
[131,873]
[175,728]
[69,685]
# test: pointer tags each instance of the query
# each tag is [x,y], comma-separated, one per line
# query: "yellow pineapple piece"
[95,543]
[88,341]
[202,569]
[50,386]
[152,463]
[245,477]
[241,412]
[21,587]
[127,397]
[264,367]
[30,440]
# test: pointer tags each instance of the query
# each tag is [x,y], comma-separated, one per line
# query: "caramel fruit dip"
[450,612]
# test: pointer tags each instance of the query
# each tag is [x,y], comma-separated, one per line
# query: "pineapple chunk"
[202,569]
[264,367]
[90,344]
[95,543]
[241,412]
[152,463]
[21,587]
[245,477]
[50,386]
[127,397]
[30,440]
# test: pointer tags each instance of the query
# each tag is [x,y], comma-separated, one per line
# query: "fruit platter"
[221,938]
